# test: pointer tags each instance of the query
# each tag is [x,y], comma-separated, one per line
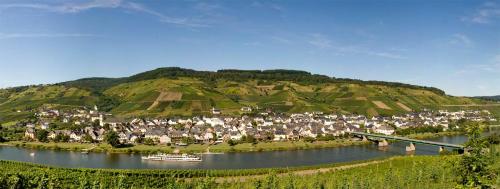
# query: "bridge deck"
[408,140]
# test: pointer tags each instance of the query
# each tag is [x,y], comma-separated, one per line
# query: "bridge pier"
[411,147]
[383,143]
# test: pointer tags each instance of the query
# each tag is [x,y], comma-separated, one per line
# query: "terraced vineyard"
[176,91]
[401,172]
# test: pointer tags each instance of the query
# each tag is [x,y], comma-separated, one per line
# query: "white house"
[386,130]
[165,139]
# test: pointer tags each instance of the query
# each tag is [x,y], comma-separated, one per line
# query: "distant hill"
[178,91]
[492,98]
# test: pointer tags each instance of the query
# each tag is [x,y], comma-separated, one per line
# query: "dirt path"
[299,173]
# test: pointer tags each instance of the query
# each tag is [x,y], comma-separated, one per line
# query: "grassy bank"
[396,172]
[193,148]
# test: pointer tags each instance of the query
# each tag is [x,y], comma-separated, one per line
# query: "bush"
[42,136]
[112,138]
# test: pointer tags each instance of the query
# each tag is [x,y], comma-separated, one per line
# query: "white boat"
[173,157]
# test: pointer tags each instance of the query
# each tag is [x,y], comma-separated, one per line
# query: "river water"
[222,161]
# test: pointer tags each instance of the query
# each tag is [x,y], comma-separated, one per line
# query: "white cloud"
[68,7]
[282,40]
[206,7]
[323,42]
[320,41]
[163,18]
[461,39]
[487,13]
[491,66]
[254,43]
[386,55]
[42,35]
[106,4]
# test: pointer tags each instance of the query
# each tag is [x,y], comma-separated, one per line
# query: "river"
[222,161]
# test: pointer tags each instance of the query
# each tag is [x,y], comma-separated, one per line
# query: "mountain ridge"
[177,91]
[280,74]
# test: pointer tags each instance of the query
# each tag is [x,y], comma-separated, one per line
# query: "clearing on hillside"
[381,105]
[404,106]
[165,97]
[169,96]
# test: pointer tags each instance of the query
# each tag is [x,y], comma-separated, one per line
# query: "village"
[91,126]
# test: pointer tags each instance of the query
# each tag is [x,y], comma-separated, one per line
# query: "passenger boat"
[173,157]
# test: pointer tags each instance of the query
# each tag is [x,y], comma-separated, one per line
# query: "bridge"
[411,141]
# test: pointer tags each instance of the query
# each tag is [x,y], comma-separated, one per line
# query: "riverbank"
[193,148]
[202,148]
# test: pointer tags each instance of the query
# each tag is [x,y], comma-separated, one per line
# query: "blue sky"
[452,45]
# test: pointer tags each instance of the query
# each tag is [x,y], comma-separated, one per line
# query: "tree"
[1,137]
[61,138]
[188,140]
[472,168]
[106,126]
[88,138]
[112,138]
[42,135]
[249,139]
[231,142]
[149,141]
[96,123]
[308,139]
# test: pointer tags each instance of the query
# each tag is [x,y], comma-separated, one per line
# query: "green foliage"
[61,138]
[493,139]
[491,98]
[188,140]
[249,139]
[149,141]
[472,168]
[309,139]
[232,142]
[41,135]
[87,138]
[112,138]
[420,129]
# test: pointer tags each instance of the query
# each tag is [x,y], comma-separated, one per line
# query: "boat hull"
[172,158]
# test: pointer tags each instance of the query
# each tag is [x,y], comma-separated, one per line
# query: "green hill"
[177,91]
[491,98]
